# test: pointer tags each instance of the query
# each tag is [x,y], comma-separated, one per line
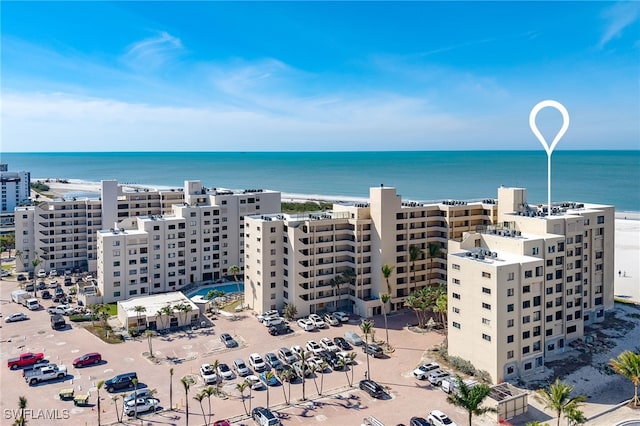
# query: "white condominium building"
[197,242]
[296,258]
[15,188]
[524,288]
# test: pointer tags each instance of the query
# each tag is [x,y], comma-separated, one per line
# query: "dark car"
[121,381]
[42,285]
[373,350]
[372,388]
[21,277]
[228,340]
[271,359]
[331,358]
[45,294]
[290,376]
[30,275]
[419,421]
[342,343]
[276,330]
[87,359]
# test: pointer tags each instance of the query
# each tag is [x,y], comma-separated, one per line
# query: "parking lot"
[185,351]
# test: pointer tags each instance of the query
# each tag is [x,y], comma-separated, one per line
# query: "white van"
[271,321]
[32,304]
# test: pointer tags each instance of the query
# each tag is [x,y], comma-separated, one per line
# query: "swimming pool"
[231,287]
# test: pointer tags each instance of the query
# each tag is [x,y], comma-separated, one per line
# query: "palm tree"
[287,376]
[322,368]
[98,387]
[171,389]
[22,405]
[558,398]
[386,273]
[314,369]
[185,308]
[349,275]
[168,311]
[235,270]
[215,364]
[366,327]
[268,376]
[115,399]
[135,388]
[628,365]
[240,387]
[35,262]
[414,254]
[150,335]
[139,310]
[290,311]
[336,282]
[384,299]
[433,250]
[304,356]
[160,318]
[470,398]
[208,392]
[441,306]
[199,397]
[213,295]
[186,383]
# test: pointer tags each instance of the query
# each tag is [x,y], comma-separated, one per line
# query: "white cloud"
[153,52]
[618,17]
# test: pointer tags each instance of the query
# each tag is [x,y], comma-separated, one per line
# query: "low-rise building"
[157,312]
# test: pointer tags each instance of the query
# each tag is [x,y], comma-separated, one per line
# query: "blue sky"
[316,76]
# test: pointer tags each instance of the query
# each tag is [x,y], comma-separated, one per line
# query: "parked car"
[328,344]
[21,277]
[139,393]
[317,321]
[341,316]
[271,381]
[268,314]
[228,340]
[436,377]
[331,320]
[276,330]
[58,322]
[87,359]
[373,350]
[297,367]
[140,405]
[121,381]
[272,360]
[438,418]
[353,338]
[46,373]
[53,273]
[30,287]
[306,324]
[19,316]
[61,309]
[264,417]
[342,343]
[422,372]
[255,360]
[254,382]
[297,349]
[24,360]
[273,321]
[42,285]
[419,421]
[331,358]
[372,388]
[42,273]
[291,373]
[240,367]
[344,355]
[221,423]
[225,372]
[45,294]
[313,346]
[208,374]
[287,356]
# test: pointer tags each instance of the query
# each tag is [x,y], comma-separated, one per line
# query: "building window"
[571,329]
[526,289]
[509,292]
[510,323]
[486,321]
[511,276]
[526,334]
[527,366]
[456,324]
[526,319]
[486,337]
[456,296]
[456,281]
[486,306]
[510,307]
[486,290]
[455,310]
[510,338]
[528,274]
[526,304]
[535,251]
[600,219]
[525,350]
[509,356]
[454,266]
[486,275]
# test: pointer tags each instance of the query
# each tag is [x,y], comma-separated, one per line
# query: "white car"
[345,355]
[436,376]
[331,320]
[255,382]
[140,405]
[305,324]
[53,273]
[341,316]
[61,309]
[268,314]
[225,372]
[16,317]
[314,347]
[438,418]
[317,321]
[297,349]
[208,374]
[422,372]
[241,368]
[316,363]
[42,273]
[256,361]
[329,345]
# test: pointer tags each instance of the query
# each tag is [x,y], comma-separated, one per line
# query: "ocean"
[606,177]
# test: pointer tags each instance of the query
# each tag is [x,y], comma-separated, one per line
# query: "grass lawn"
[101,332]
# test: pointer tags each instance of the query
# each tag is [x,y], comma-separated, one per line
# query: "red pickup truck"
[24,360]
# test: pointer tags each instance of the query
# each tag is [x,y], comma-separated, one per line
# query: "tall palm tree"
[470,398]
[322,368]
[386,273]
[115,399]
[213,295]
[150,334]
[139,310]
[208,392]
[168,311]
[287,376]
[215,364]
[22,405]
[160,318]
[349,276]
[241,387]
[415,253]
[366,326]
[199,397]
[384,299]
[171,389]
[314,370]
[35,262]
[186,383]
[441,307]
[558,398]
[268,376]
[336,282]
[628,365]
[235,270]
[135,389]
[98,387]
[433,250]
[304,356]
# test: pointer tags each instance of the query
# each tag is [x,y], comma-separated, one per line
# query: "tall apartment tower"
[297,258]
[15,188]
[524,288]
